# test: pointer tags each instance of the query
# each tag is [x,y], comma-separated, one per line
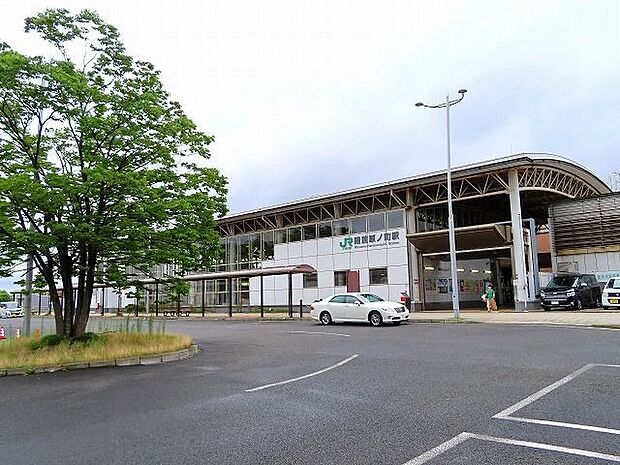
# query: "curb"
[442,321]
[146,360]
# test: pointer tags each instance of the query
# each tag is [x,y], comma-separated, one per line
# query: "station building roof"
[544,178]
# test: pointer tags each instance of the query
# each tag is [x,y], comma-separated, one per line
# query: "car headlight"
[571,293]
[542,293]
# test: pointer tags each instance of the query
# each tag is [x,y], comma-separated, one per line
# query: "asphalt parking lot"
[299,393]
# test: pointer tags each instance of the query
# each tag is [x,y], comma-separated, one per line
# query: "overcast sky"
[310,97]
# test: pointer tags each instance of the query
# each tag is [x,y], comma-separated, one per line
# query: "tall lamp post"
[453,271]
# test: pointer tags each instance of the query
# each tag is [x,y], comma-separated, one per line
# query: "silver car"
[13,307]
[358,306]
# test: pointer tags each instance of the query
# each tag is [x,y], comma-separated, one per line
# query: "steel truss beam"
[470,187]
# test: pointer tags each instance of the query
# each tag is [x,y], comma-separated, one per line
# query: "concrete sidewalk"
[582,318]
[505,316]
[572,318]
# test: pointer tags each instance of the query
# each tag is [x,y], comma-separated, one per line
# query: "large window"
[311,280]
[341,228]
[340,278]
[325,229]
[378,276]
[294,234]
[395,219]
[268,245]
[308,232]
[376,222]
[358,225]
[254,247]
[280,236]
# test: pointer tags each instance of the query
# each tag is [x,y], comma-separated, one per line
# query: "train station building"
[392,237]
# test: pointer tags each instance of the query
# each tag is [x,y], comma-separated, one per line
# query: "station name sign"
[364,241]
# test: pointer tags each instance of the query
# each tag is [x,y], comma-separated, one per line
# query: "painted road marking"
[507,413]
[280,383]
[543,392]
[319,332]
[560,424]
[440,449]
[431,454]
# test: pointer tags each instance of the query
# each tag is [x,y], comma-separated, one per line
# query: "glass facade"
[248,251]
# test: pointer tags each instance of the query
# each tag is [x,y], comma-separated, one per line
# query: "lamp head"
[419,104]
[462,91]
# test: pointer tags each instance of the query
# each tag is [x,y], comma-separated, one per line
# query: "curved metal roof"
[593,185]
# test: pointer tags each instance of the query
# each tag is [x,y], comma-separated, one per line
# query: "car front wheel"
[546,307]
[325,318]
[578,304]
[375,319]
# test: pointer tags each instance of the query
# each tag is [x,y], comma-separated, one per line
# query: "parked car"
[571,290]
[358,306]
[611,293]
[5,313]
[13,307]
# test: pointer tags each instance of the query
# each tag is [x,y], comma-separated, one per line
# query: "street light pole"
[456,308]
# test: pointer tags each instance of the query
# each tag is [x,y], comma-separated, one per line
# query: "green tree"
[5,296]
[101,172]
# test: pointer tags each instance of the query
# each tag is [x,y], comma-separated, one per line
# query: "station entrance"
[484,256]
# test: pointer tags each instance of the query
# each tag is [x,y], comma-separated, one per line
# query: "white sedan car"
[14,308]
[358,306]
[611,293]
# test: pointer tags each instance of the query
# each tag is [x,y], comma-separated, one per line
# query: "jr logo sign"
[346,243]
[369,240]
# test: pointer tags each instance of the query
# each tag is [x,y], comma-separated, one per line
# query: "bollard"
[18,333]
[301,308]
[2,336]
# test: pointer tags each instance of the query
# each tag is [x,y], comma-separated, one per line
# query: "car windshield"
[614,283]
[562,281]
[9,305]
[372,298]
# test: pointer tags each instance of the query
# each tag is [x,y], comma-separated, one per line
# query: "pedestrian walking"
[490,298]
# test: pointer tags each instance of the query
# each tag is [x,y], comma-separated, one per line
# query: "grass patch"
[28,352]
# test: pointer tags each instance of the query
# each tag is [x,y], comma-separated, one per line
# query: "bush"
[54,339]
[88,338]
[47,341]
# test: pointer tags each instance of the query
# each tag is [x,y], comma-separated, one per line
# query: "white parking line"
[279,383]
[319,332]
[431,454]
[596,429]
[506,414]
[440,449]
[543,392]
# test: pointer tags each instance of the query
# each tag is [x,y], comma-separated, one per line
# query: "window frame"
[306,284]
[344,272]
[383,271]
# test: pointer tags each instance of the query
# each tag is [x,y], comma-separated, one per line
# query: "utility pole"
[28,297]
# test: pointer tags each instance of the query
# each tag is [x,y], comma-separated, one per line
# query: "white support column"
[413,259]
[518,255]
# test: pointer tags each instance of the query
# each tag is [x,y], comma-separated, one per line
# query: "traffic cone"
[2,336]
[18,333]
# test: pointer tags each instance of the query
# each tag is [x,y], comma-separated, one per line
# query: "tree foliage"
[5,296]
[101,171]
